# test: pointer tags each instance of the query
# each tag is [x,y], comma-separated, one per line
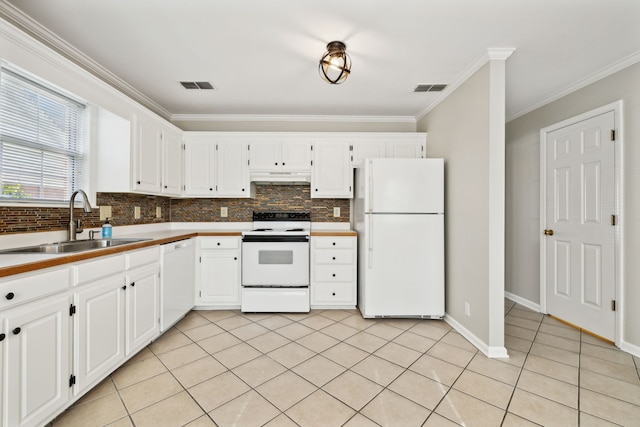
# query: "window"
[41,140]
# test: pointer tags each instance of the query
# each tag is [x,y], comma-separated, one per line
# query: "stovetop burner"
[295,229]
[263,229]
[273,223]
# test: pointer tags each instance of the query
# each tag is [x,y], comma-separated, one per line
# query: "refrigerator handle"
[370,207]
[370,237]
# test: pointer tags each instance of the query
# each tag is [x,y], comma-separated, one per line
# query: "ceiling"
[262,55]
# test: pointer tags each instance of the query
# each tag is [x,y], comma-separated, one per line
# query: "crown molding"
[29,26]
[289,118]
[592,78]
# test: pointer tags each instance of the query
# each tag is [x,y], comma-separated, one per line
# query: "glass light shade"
[335,65]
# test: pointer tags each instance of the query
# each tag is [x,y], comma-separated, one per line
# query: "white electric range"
[275,263]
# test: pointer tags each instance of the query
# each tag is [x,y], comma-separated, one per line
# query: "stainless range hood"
[281,178]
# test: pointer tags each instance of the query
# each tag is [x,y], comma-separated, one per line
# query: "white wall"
[459,132]
[523,174]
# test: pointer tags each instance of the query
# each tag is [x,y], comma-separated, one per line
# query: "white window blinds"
[41,141]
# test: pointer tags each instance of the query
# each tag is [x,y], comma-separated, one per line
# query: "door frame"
[617,109]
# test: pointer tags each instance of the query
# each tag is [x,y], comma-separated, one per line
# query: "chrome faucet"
[75,226]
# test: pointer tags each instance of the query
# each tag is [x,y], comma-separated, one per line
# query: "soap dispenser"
[107,230]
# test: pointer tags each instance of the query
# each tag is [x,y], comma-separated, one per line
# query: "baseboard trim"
[524,302]
[494,352]
[630,348]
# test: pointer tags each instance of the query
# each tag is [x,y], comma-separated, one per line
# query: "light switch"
[336,212]
[136,212]
[105,212]
[224,212]
[158,212]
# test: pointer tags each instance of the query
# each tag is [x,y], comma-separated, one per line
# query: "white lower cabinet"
[99,330]
[218,272]
[37,364]
[142,307]
[333,271]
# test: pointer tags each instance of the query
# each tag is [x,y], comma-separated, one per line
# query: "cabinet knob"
[334,274]
[333,293]
[165,186]
[132,284]
[276,163]
[316,189]
[333,258]
[282,163]
[235,258]
[16,331]
[124,288]
[10,295]
[243,189]
[2,337]
[138,182]
[334,243]
[211,189]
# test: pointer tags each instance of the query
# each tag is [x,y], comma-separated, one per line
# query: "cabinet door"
[99,330]
[219,277]
[232,169]
[296,156]
[265,155]
[143,307]
[148,152]
[405,149]
[199,166]
[38,355]
[367,150]
[171,163]
[332,176]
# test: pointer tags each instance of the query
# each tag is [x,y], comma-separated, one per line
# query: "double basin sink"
[71,247]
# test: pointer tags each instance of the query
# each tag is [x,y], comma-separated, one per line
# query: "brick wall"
[267,198]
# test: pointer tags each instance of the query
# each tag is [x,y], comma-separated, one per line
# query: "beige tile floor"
[334,368]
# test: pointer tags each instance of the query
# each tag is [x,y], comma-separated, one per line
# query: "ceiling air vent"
[430,88]
[197,85]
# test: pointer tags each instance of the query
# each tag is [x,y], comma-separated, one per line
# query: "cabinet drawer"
[26,287]
[220,243]
[332,293]
[333,242]
[338,273]
[337,256]
[99,268]
[142,257]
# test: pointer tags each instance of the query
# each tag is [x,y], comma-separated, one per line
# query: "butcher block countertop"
[11,264]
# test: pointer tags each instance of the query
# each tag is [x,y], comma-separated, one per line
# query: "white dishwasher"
[177,281]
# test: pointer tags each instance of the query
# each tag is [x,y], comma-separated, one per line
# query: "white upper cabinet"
[332,175]
[171,163]
[232,164]
[216,166]
[199,165]
[406,149]
[367,150]
[268,154]
[147,156]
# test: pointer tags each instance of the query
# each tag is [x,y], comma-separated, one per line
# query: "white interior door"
[579,236]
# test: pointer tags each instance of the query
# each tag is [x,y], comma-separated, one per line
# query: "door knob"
[548,232]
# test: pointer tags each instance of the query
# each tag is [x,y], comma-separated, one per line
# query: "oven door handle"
[263,239]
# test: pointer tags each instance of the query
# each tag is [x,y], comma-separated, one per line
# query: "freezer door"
[402,266]
[404,185]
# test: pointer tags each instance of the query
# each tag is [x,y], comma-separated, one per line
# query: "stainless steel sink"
[70,247]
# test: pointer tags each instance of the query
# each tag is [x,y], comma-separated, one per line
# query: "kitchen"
[113,101]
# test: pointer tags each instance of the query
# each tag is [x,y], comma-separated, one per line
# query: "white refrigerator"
[399,217]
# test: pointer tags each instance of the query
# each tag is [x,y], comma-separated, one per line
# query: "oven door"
[275,261]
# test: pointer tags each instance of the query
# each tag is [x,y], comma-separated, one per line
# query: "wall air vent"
[197,85]
[430,88]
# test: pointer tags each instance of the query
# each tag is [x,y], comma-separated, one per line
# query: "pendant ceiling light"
[335,65]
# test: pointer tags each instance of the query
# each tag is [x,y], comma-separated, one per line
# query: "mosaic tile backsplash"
[266,198]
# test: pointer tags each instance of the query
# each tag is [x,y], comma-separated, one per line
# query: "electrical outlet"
[105,212]
[224,212]
[336,212]
[158,212]
[136,212]
[467,309]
